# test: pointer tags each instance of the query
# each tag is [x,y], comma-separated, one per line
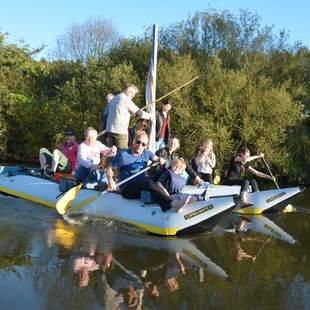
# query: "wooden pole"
[161,98]
[171,92]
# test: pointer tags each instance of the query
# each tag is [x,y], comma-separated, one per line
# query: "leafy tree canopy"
[253,88]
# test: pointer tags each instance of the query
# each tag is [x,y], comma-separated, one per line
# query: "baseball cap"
[70,132]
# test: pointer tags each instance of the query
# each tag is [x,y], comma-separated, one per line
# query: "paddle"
[171,92]
[68,197]
[140,292]
[63,204]
[274,179]
[261,247]
[130,273]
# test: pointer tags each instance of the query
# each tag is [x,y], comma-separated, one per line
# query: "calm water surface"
[46,263]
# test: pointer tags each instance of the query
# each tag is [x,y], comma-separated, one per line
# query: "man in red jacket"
[63,159]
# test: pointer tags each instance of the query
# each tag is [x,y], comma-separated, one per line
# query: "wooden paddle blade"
[64,203]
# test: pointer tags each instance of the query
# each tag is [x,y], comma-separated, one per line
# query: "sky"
[38,23]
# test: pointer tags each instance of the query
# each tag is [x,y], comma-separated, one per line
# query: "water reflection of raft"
[258,223]
[146,216]
[184,246]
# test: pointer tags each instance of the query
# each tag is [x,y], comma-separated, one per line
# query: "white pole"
[150,92]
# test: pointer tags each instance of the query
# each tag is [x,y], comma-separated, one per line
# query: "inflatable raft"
[113,206]
[148,216]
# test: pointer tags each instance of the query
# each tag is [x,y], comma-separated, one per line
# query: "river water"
[258,262]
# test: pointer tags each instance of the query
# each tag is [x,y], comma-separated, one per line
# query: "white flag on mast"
[150,91]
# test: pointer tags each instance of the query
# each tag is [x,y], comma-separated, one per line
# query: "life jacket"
[177,182]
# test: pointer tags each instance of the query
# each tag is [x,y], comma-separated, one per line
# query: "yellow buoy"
[288,208]
[217,179]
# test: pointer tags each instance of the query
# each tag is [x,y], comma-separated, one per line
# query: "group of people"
[126,157]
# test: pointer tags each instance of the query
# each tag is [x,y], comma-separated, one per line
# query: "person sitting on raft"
[204,161]
[129,162]
[89,158]
[142,125]
[63,159]
[167,186]
[169,153]
[237,168]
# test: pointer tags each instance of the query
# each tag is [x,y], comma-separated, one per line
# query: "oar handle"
[90,199]
[134,175]
[101,133]
[271,173]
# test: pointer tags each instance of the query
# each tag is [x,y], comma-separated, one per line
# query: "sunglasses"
[138,142]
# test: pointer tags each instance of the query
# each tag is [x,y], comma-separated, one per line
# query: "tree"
[17,73]
[91,39]
[209,33]
[253,88]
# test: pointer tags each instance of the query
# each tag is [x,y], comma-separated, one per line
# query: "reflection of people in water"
[164,275]
[106,295]
[173,270]
[111,296]
[172,284]
[242,225]
[85,263]
[237,251]
[181,265]
[83,266]
[137,276]
[90,258]
[152,289]
[131,296]
[104,259]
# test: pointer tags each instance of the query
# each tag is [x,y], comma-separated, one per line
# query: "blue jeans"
[88,175]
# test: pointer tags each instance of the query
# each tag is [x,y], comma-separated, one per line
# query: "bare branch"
[91,39]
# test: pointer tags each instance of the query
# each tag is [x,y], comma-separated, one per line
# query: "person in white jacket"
[88,157]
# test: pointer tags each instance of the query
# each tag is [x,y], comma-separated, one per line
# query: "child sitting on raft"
[204,161]
[166,187]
